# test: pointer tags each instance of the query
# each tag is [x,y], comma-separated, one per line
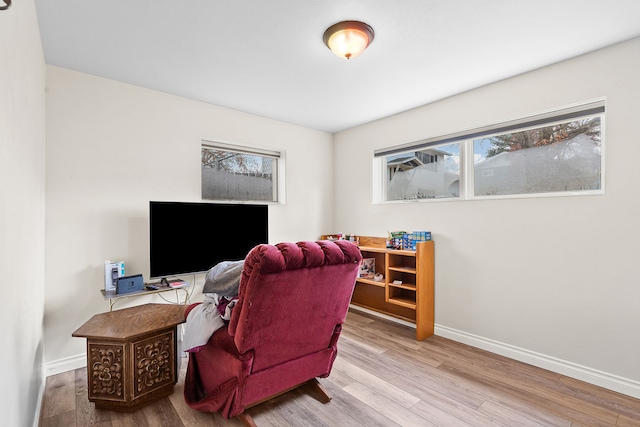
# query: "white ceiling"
[266,57]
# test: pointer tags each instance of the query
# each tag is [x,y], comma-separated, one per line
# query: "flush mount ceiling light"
[348,39]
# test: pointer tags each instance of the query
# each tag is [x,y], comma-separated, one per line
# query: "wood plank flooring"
[383,377]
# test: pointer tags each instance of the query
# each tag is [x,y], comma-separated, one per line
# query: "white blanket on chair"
[221,285]
[203,321]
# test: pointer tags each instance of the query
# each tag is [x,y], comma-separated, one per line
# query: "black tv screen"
[189,238]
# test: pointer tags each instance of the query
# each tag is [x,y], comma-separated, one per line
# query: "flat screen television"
[192,237]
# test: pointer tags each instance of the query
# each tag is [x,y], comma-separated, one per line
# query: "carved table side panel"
[106,371]
[153,363]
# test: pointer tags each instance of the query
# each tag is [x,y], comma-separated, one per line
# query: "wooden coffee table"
[131,355]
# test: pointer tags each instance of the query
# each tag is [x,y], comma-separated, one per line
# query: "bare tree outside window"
[564,157]
[231,175]
[545,136]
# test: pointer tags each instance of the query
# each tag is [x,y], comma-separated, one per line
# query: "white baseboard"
[570,369]
[67,364]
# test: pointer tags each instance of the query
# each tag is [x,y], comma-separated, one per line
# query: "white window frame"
[466,138]
[278,155]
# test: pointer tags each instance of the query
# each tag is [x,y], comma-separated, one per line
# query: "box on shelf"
[340,236]
[407,241]
[394,239]
[367,268]
[112,271]
[418,236]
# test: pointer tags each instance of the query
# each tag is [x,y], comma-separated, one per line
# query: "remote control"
[152,287]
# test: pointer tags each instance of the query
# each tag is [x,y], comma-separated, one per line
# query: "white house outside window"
[431,173]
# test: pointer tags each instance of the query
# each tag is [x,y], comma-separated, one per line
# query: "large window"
[231,172]
[557,153]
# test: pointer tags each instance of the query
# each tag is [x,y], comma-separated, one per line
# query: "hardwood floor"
[383,377]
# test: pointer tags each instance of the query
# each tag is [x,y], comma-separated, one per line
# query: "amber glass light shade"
[348,39]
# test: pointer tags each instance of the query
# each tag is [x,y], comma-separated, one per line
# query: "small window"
[559,152]
[430,173]
[232,172]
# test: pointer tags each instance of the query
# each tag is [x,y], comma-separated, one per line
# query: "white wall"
[113,147]
[22,187]
[552,281]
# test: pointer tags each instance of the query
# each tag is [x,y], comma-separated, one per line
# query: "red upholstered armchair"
[283,332]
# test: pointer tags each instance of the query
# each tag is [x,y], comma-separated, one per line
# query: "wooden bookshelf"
[411,300]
